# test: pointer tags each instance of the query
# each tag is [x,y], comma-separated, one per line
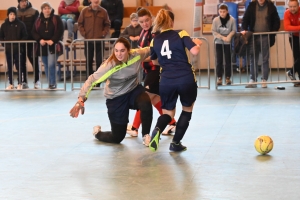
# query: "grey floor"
[45,154]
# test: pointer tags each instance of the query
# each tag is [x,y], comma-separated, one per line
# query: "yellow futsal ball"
[263,144]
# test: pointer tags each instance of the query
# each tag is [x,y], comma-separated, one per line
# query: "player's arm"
[196,49]
[155,62]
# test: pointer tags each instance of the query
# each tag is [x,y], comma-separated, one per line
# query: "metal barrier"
[274,67]
[19,60]
[203,78]
[90,53]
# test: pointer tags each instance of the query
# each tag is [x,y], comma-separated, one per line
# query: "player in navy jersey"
[177,77]
[151,81]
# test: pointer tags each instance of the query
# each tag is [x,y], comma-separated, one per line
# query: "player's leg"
[188,95]
[169,95]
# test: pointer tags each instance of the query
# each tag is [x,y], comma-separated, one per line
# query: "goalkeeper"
[122,73]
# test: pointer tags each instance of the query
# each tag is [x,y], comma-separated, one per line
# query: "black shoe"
[177,147]
[52,87]
[290,75]
[297,85]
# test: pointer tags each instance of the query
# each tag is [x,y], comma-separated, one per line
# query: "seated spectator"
[68,9]
[11,30]
[115,9]
[133,31]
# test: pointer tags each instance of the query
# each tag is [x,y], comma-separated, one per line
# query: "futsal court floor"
[46,154]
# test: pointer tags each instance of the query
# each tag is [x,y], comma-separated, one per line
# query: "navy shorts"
[151,82]
[118,108]
[169,93]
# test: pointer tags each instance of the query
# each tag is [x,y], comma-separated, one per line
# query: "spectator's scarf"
[224,20]
[69,2]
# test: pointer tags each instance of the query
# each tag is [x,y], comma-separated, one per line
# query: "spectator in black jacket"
[48,30]
[115,9]
[12,30]
[260,16]
[27,14]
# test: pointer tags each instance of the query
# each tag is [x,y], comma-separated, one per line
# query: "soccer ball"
[263,144]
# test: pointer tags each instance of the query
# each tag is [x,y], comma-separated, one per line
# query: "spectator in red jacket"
[68,10]
[291,23]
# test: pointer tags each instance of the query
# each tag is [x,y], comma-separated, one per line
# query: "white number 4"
[165,51]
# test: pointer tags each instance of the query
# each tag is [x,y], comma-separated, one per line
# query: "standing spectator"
[223,28]
[11,30]
[115,9]
[68,9]
[132,32]
[93,23]
[260,16]
[292,23]
[177,78]
[48,30]
[27,14]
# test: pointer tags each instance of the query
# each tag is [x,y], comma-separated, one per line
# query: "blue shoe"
[177,147]
[154,140]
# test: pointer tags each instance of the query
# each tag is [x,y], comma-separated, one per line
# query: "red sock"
[137,120]
[172,122]
[158,107]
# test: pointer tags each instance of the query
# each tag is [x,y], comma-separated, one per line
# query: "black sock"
[181,126]
[162,122]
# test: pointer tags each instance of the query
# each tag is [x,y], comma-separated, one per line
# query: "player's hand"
[79,106]
[197,41]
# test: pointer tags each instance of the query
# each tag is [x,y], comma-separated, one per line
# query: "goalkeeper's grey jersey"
[120,78]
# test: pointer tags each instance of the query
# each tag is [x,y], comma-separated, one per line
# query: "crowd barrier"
[202,72]
[16,60]
[272,69]
[203,78]
[72,63]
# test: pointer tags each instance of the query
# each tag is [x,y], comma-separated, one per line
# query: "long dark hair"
[127,45]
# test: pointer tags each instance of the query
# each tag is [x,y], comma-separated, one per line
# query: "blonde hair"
[163,20]
[133,16]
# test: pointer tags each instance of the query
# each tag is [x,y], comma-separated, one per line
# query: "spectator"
[132,32]
[27,14]
[123,91]
[84,4]
[260,16]
[291,23]
[93,23]
[115,9]
[223,28]
[68,9]
[11,30]
[48,30]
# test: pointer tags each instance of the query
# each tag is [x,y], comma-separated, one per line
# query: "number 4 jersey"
[171,48]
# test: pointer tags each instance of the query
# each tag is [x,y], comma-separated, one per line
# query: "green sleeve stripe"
[112,71]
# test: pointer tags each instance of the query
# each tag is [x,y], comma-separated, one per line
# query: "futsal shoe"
[154,140]
[177,147]
[96,130]
[146,140]
[170,129]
